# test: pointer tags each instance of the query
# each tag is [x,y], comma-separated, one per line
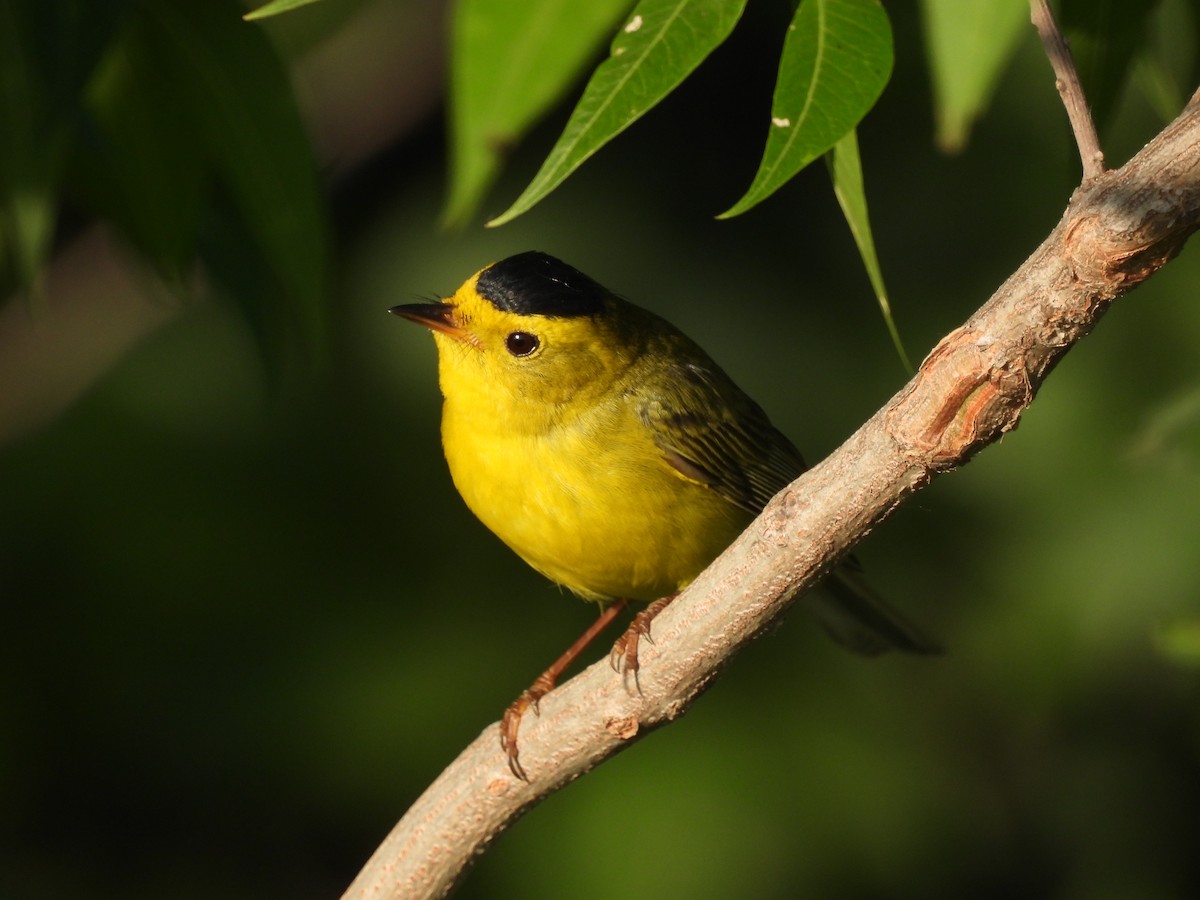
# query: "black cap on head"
[535,284]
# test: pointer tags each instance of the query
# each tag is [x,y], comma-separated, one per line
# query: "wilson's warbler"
[609,451]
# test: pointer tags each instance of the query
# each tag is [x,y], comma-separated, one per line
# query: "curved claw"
[511,722]
[508,731]
[624,655]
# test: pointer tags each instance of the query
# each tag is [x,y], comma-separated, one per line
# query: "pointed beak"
[436,317]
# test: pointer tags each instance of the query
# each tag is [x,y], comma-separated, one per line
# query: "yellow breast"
[586,498]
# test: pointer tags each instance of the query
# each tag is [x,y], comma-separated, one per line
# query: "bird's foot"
[544,684]
[511,721]
[624,655]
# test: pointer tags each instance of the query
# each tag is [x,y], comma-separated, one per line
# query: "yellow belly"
[601,514]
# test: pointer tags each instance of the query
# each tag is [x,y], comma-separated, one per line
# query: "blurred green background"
[245,625]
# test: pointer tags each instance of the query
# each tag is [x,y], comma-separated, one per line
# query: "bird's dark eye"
[521,343]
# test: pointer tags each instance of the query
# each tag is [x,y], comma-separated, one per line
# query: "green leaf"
[30,150]
[836,60]
[27,224]
[143,148]
[47,53]
[968,45]
[274,8]
[1104,36]
[845,168]
[511,63]
[661,44]
[240,96]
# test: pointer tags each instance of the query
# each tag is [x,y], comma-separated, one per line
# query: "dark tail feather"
[859,619]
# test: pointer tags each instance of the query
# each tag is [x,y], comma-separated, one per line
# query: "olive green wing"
[711,432]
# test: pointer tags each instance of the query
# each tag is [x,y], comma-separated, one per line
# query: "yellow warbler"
[609,451]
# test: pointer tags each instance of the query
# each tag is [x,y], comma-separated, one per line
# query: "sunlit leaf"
[662,42]
[845,168]
[968,45]
[274,8]
[511,63]
[836,60]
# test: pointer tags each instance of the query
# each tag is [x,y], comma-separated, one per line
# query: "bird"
[611,453]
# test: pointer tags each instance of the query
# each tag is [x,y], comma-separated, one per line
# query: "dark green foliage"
[175,122]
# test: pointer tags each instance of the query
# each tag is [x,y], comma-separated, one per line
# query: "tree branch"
[1066,79]
[1119,228]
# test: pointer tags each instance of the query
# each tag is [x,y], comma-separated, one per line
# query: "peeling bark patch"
[964,397]
[625,728]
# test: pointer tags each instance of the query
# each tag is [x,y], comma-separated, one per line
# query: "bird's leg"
[544,684]
[624,655]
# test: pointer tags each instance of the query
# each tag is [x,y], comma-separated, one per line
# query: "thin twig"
[1066,79]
